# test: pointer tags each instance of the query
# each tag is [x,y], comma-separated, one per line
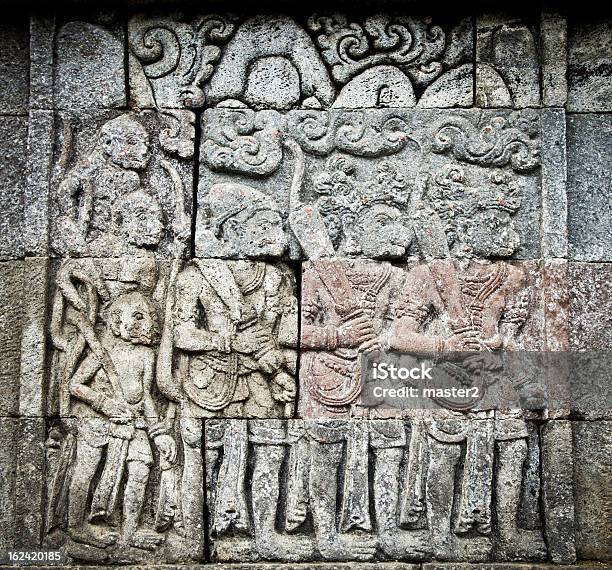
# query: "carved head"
[247,221]
[366,219]
[133,318]
[478,221]
[138,218]
[125,142]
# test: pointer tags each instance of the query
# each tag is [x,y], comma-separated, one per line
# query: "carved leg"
[323,489]
[395,543]
[86,464]
[440,493]
[266,488]
[514,543]
[192,494]
[133,501]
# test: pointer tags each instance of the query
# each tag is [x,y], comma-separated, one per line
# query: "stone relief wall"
[208,220]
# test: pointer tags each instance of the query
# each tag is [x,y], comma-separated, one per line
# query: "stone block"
[592,472]
[219,337]
[589,63]
[558,490]
[276,62]
[507,61]
[368,490]
[11,314]
[373,185]
[13,137]
[22,318]
[89,62]
[14,65]
[553,49]
[122,183]
[354,307]
[9,428]
[589,167]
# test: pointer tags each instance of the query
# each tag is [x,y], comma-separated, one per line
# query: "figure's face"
[492,235]
[142,224]
[128,148]
[382,232]
[260,235]
[137,323]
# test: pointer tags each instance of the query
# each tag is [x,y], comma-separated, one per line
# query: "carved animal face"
[134,319]
[126,144]
[260,235]
[381,231]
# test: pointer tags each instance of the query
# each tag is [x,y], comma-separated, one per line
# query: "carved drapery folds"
[262,202]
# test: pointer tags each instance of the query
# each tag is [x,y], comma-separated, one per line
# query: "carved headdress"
[343,198]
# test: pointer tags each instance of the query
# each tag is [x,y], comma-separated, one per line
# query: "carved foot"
[93,535]
[144,539]
[411,545]
[343,547]
[286,547]
[522,545]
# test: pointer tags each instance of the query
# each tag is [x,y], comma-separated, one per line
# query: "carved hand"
[468,340]
[117,411]
[271,361]
[353,333]
[166,446]
[287,391]
[250,340]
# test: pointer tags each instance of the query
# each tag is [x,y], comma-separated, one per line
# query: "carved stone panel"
[373,490]
[278,62]
[364,184]
[142,350]
[355,308]
[122,184]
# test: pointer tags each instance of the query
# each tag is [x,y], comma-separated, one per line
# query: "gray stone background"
[63,73]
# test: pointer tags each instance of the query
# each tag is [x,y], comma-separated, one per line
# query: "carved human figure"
[349,218]
[344,312]
[111,170]
[469,304]
[235,332]
[116,414]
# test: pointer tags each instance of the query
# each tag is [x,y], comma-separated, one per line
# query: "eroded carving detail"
[127,190]
[171,60]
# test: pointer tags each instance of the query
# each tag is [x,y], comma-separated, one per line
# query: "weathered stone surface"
[13,137]
[22,319]
[507,57]
[588,188]
[553,49]
[29,483]
[38,180]
[363,490]
[122,183]
[557,490]
[589,63]
[592,471]
[89,70]
[11,288]
[271,62]
[14,64]
[554,191]
[9,428]
[42,37]
[590,306]
[333,179]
